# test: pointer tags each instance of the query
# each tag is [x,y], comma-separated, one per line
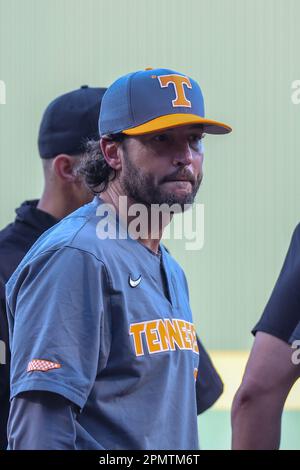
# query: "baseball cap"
[69,121]
[154,99]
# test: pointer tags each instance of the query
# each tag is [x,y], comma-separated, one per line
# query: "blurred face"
[163,167]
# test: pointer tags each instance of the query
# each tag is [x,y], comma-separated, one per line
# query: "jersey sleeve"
[282,312]
[56,307]
[209,386]
[54,422]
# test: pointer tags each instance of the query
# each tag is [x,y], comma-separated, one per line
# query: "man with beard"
[109,356]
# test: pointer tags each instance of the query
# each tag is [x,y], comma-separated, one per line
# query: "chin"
[180,201]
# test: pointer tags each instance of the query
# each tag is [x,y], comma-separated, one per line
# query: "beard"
[144,188]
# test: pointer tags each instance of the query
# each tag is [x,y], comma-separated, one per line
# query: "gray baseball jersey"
[90,320]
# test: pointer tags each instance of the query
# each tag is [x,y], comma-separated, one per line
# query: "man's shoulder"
[77,231]
[64,250]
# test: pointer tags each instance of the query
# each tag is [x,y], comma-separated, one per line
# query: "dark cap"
[69,121]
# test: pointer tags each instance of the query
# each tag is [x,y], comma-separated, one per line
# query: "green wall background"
[245,56]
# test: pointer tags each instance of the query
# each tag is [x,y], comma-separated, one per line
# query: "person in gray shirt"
[100,319]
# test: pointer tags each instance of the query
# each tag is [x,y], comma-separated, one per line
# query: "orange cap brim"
[175,120]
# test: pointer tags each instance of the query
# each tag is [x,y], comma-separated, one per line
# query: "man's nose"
[183,155]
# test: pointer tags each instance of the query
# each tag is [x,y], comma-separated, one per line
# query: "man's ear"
[63,166]
[112,153]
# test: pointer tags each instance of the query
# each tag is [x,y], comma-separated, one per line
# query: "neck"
[151,234]
[56,204]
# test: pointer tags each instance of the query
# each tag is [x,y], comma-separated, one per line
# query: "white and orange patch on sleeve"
[163,335]
[42,365]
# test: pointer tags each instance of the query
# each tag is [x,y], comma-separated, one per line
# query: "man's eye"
[161,138]
[196,137]
[196,141]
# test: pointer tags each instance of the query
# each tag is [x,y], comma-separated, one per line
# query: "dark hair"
[94,168]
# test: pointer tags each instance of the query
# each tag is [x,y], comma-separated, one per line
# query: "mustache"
[180,175]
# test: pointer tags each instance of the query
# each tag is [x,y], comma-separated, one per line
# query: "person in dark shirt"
[271,370]
[68,122]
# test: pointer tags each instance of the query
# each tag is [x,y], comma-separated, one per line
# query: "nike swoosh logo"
[134,282]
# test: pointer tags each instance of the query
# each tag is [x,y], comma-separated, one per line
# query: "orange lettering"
[178,81]
[174,334]
[152,337]
[136,330]
[164,337]
[195,344]
[185,333]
